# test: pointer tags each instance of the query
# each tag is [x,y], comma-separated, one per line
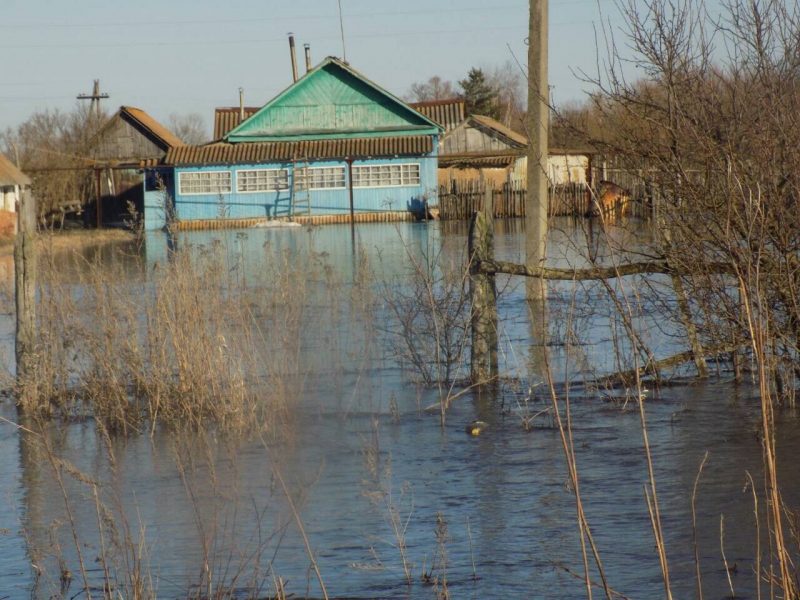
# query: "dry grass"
[73,239]
[191,342]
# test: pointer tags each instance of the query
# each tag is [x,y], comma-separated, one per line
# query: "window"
[321,178]
[262,180]
[386,175]
[205,182]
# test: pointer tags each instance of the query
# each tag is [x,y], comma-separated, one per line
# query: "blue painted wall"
[159,195]
[188,207]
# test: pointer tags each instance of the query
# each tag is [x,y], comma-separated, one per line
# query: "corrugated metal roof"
[502,129]
[258,152]
[447,113]
[226,118]
[153,126]
[476,162]
[11,175]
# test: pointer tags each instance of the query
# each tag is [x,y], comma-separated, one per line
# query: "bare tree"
[191,128]
[51,146]
[435,88]
[507,81]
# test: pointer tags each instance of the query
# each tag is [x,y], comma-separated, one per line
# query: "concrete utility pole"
[538,119]
[95,97]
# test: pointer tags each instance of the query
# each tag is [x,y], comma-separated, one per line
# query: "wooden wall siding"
[331,100]
[474,138]
[122,140]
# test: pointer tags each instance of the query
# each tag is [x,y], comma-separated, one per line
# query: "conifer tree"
[481,98]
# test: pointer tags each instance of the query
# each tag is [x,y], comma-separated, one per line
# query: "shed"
[483,147]
[128,139]
[12,184]
[332,143]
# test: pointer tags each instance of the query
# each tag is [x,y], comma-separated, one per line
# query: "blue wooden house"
[331,136]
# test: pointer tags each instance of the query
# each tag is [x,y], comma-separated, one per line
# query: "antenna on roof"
[241,104]
[341,26]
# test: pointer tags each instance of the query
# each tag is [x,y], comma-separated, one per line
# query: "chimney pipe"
[294,57]
[308,56]
[241,105]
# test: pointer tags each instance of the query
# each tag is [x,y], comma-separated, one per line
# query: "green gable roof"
[332,101]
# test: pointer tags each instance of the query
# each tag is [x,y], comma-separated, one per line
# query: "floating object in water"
[476,427]
[271,224]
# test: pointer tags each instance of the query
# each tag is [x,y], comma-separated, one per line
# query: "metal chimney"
[308,56]
[241,105]
[294,57]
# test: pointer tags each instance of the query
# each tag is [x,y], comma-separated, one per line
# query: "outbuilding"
[13,183]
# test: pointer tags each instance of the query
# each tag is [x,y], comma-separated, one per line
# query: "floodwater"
[504,495]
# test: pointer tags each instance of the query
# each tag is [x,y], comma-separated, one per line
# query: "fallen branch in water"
[655,367]
[595,273]
[582,578]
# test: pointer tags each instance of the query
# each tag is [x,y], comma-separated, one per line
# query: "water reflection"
[511,483]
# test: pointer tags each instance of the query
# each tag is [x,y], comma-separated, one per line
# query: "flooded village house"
[12,184]
[330,139]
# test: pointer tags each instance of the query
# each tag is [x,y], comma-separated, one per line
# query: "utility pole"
[95,97]
[538,120]
[25,297]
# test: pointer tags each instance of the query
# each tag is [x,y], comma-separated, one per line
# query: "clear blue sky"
[184,56]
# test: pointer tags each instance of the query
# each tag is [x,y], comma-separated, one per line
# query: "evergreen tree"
[481,98]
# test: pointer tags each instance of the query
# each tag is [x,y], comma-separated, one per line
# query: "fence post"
[483,363]
[25,295]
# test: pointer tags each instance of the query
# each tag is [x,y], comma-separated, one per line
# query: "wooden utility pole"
[483,292]
[25,294]
[95,97]
[538,119]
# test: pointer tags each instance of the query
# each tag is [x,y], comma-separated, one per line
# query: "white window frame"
[180,183]
[267,191]
[378,165]
[325,189]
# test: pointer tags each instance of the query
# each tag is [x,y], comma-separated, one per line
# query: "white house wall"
[568,168]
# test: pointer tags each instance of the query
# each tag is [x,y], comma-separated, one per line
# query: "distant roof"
[153,126]
[226,118]
[477,162]
[258,152]
[500,128]
[447,113]
[11,175]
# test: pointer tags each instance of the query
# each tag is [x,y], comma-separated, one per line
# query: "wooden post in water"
[25,293]
[483,363]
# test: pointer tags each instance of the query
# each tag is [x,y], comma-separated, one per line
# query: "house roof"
[228,118]
[11,175]
[447,113]
[477,162]
[160,134]
[258,152]
[392,116]
[153,126]
[501,129]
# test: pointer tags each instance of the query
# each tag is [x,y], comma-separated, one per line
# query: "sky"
[190,56]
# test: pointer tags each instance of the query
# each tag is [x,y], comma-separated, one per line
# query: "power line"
[261,41]
[304,17]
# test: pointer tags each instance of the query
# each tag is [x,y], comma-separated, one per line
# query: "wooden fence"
[462,197]
[459,199]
